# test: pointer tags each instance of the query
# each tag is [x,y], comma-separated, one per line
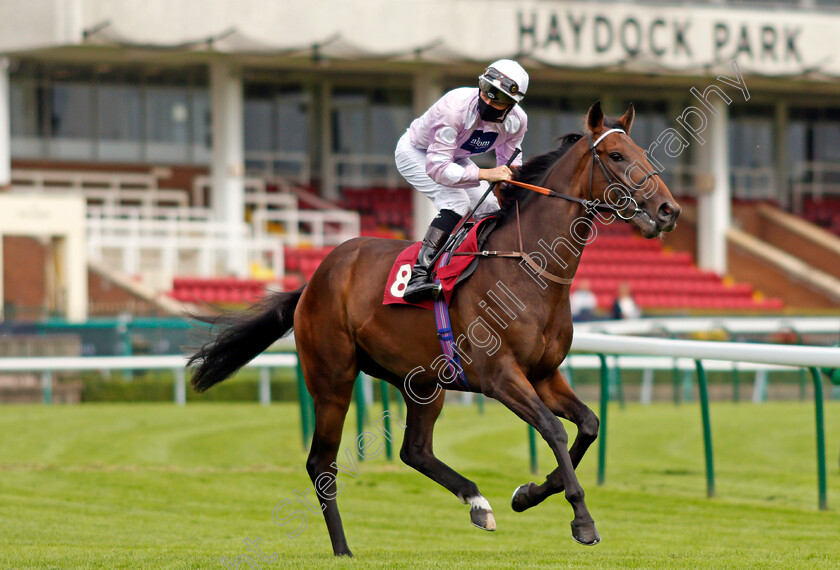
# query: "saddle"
[451,269]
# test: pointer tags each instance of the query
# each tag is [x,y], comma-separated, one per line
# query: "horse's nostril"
[667,211]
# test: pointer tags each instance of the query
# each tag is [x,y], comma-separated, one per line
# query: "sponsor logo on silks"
[479,142]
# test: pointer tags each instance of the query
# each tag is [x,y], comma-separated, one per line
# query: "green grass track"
[156,486]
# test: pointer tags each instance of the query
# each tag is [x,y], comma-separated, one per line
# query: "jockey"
[434,156]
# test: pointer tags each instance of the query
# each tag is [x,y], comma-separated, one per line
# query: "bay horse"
[341,325]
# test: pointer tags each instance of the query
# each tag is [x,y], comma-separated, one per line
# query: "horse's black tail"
[242,336]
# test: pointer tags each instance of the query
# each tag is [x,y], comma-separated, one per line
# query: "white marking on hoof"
[479,502]
[515,491]
[481,513]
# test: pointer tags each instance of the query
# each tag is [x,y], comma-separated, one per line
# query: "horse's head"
[621,176]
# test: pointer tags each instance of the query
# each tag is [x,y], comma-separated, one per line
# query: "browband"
[604,134]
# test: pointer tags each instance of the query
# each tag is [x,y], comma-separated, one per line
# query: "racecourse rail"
[599,344]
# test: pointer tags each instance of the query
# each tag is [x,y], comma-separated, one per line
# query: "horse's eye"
[616,156]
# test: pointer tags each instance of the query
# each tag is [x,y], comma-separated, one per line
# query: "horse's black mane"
[534,170]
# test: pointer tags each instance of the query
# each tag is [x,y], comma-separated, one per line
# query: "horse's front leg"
[513,390]
[417,452]
[558,396]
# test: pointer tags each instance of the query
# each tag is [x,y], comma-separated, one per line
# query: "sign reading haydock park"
[678,38]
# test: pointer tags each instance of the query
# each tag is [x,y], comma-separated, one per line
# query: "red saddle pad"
[448,274]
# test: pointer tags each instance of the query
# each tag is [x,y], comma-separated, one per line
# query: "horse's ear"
[626,119]
[595,117]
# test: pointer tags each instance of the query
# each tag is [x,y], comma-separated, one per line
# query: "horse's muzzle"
[666,216]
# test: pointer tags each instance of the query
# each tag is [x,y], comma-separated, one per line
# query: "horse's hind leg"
[332,389]
[417,452]
[556,393]
[513,390]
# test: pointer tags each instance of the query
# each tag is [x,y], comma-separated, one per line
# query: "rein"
[589,205]
[612,178]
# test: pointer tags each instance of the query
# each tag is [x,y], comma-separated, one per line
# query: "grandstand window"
[276,128]
[120,123]
[751,151]
[72,127]
[258,114]
[827,136]
[28,110]
[366,124]
[292,121]
[369,121]
[124,113]
[275,120]
[202,143]
[751,136]
[814,134]
[168,124]
[390,116]
[350,135]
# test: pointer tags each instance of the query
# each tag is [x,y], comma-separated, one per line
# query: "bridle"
[590,205]
[613,180]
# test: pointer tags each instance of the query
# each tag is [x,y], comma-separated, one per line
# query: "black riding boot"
[419,288]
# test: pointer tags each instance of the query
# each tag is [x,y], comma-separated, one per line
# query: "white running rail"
[802,325]
[49,365]
[786,355]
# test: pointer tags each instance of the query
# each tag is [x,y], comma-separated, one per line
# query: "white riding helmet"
[505,81]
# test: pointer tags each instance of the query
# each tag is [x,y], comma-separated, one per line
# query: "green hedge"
[159,387]
[588,377]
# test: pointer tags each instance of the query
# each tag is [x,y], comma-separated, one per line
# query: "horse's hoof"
[483,518]
[520,500]
[585,533]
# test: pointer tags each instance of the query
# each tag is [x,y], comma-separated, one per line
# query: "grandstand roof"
[687,39]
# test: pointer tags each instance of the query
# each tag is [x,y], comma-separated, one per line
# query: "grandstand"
[236,163]
[662,280]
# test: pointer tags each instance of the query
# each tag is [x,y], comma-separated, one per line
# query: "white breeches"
[411,162]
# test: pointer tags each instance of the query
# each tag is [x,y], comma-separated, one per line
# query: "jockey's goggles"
[499,87]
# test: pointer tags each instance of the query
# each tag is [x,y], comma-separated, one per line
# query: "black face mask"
[491,114]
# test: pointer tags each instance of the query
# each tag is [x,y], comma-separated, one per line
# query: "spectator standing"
[624,306]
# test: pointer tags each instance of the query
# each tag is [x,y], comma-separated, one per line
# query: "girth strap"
[535,267]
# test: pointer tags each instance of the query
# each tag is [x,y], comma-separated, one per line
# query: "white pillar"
[227,170]
[426,90]
[714,209]
[73,253]
[5,128]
